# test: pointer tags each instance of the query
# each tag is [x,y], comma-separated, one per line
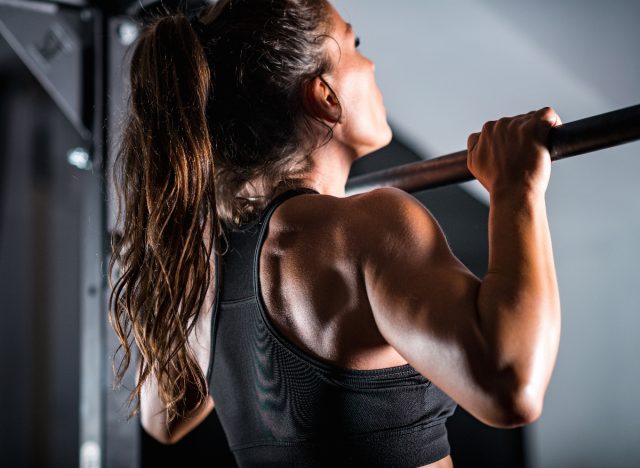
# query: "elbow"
[165,440]
[522,410]
[518,407]
[161,437]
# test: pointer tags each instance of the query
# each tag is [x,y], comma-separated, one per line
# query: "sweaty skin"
[397,293]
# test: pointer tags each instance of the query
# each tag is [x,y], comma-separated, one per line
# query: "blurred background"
[444,68]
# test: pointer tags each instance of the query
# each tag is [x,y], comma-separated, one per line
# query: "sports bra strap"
[264,223]
[261,227]
[279,200]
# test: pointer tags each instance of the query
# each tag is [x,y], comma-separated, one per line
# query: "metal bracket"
[54,42]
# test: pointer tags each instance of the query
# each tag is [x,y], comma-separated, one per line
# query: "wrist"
[517,194]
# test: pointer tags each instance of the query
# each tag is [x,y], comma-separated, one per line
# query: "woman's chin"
[378,140]
[389,136]
[386,136]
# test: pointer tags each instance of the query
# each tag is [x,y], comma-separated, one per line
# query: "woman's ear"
[321,101]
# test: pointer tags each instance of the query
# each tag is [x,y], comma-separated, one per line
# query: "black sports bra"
[279,406]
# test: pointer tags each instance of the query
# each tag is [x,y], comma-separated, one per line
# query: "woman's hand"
[510,154]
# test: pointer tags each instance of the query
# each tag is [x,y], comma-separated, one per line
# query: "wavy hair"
[215,102]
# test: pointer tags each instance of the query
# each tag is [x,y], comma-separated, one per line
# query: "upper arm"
[424,303]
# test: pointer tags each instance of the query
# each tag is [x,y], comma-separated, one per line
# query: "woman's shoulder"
[392,219]
[384,213]
[345,211]
[387,200]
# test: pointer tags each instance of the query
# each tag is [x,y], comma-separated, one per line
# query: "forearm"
[518,302]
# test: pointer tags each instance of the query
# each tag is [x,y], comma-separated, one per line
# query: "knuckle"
[488,125]
[472,140]
[506,124]
[524,125]
[515,122]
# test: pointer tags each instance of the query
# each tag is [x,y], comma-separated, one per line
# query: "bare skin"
[398,294]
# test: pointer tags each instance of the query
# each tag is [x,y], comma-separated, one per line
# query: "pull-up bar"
[571,139]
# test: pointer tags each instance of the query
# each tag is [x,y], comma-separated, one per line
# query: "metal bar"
[571,139]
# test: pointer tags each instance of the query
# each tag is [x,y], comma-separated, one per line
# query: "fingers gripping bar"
[571,139]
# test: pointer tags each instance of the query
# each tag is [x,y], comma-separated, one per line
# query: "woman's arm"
[153,415]
[491,344]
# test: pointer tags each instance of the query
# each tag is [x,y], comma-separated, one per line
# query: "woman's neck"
[326,173]
[329,170]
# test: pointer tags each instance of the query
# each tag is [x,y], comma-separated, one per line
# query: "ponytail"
[164,179]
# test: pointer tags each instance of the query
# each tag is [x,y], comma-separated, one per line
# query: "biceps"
[427,308]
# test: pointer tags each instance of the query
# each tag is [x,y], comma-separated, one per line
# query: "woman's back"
[294,406]
[313,285]
[311,247]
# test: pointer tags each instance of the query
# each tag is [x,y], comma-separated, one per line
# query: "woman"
[324,329]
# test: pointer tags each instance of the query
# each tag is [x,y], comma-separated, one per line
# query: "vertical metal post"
[92,279]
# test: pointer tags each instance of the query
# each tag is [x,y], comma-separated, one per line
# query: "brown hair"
[212,105]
